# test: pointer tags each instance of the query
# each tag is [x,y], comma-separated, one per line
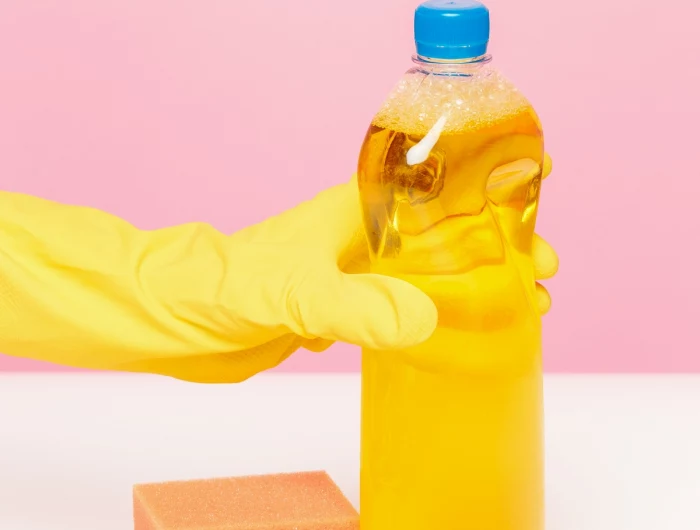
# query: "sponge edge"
[299,501]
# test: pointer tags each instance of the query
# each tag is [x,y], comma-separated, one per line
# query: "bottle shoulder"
[462,100]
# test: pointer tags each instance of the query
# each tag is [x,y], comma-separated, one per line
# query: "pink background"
[167,111]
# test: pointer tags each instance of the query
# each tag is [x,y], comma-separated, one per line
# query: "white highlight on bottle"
[420,152]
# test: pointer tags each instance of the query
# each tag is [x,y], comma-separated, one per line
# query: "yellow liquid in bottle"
[452,428]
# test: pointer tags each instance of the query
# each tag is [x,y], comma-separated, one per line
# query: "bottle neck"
[466,67]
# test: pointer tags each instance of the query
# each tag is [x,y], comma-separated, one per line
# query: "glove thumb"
[368,310]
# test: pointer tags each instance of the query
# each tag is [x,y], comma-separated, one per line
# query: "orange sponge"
[299,501]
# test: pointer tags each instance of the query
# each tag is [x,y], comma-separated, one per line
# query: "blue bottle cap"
[451,29]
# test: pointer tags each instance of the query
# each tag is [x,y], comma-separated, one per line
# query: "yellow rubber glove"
[82,288]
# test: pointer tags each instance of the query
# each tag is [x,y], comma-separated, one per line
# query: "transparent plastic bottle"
[449,176]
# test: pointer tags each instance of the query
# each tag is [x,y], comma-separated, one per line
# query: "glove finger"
[368,310]
[232,367]
[544,300]
[544,258]
[317,345]
[546,166]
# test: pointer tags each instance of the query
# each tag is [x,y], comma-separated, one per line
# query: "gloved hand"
[82,288]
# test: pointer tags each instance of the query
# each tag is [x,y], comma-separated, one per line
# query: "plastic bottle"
[449,176]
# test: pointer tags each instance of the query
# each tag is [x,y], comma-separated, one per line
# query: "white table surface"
[623,452]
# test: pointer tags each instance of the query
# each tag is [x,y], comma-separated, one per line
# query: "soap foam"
[469,102]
